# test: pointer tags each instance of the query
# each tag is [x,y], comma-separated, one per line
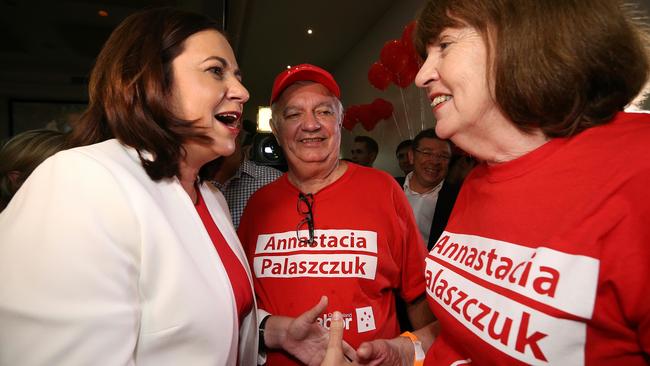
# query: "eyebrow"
[224,62]
[328,104]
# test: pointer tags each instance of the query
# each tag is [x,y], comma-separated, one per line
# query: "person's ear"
[410,156]
[247,151]
[273,122]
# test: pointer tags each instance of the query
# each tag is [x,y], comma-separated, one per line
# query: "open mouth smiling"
[230,119]
[439,100]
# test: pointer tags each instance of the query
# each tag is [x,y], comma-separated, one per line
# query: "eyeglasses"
[432,155]
[305,202]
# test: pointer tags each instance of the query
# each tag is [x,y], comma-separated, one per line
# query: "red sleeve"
[413,249]
[626,262]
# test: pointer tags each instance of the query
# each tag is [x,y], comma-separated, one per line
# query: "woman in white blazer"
[116,252]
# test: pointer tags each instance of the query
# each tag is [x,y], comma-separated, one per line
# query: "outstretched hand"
[307,340]
[334,355]
[396,351]
[378,352]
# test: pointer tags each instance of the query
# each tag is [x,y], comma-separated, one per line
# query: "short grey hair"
[276,113]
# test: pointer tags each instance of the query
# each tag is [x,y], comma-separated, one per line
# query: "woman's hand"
[334,355]
[397,351]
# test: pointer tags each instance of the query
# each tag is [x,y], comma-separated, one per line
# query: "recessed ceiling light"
[102,13]
[309,31]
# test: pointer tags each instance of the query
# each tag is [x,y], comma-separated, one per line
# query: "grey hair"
[276,113]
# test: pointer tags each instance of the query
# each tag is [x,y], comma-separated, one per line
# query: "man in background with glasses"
[329,227]
[425,185]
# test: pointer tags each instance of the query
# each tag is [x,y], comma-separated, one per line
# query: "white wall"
[352,75]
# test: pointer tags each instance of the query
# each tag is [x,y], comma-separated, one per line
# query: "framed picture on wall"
[27,115]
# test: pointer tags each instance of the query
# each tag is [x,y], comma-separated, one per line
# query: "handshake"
[314,345]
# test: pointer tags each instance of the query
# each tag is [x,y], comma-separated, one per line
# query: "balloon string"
[382,134]
[422,106]
[406,113]
[401,137]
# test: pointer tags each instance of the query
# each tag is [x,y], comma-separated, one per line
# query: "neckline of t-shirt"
[530,161]
[351,168]
[523,164]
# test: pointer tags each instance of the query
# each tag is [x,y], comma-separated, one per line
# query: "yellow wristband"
[418,358]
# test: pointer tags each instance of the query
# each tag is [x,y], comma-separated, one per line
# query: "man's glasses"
[305,201]
[432,155]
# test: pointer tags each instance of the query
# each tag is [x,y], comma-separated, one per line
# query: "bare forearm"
[428,334]
[419,313]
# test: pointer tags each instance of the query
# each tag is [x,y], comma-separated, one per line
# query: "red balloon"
[379,76]
[382,108]
[407,36]
[407,39]
[406,76]
[368,119]
[349,123]
[351,117]
[394,55]
[353,112]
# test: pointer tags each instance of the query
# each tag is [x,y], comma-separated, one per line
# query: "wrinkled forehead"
[434,144]
[303,93]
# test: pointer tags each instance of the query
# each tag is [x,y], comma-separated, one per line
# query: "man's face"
[361,155]
[403,160]
[308,128]
[430,162]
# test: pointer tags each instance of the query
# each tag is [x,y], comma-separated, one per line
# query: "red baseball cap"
[303,72]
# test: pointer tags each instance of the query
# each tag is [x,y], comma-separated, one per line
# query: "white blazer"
[100,265]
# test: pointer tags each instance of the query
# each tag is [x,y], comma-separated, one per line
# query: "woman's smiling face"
[455,77]
[207,88]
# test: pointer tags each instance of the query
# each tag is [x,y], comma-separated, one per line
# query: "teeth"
[439,99]
[227,118]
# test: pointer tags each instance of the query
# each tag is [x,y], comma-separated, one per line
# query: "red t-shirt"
[367,246]
[546,258]
[236,272]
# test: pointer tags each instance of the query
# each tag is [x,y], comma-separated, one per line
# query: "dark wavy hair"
[130,85]
[561,66]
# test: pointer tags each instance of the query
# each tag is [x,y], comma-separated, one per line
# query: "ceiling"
[274,35]
[49,47]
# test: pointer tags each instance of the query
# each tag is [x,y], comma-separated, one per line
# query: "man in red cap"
[328,227]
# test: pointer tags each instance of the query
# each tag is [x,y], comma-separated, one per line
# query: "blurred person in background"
[424,185]
[364,150]
[402,155]
[21,155]
[238,177]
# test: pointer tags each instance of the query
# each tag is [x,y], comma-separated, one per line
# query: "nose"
[428,73]
[310,122]
[237,91]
